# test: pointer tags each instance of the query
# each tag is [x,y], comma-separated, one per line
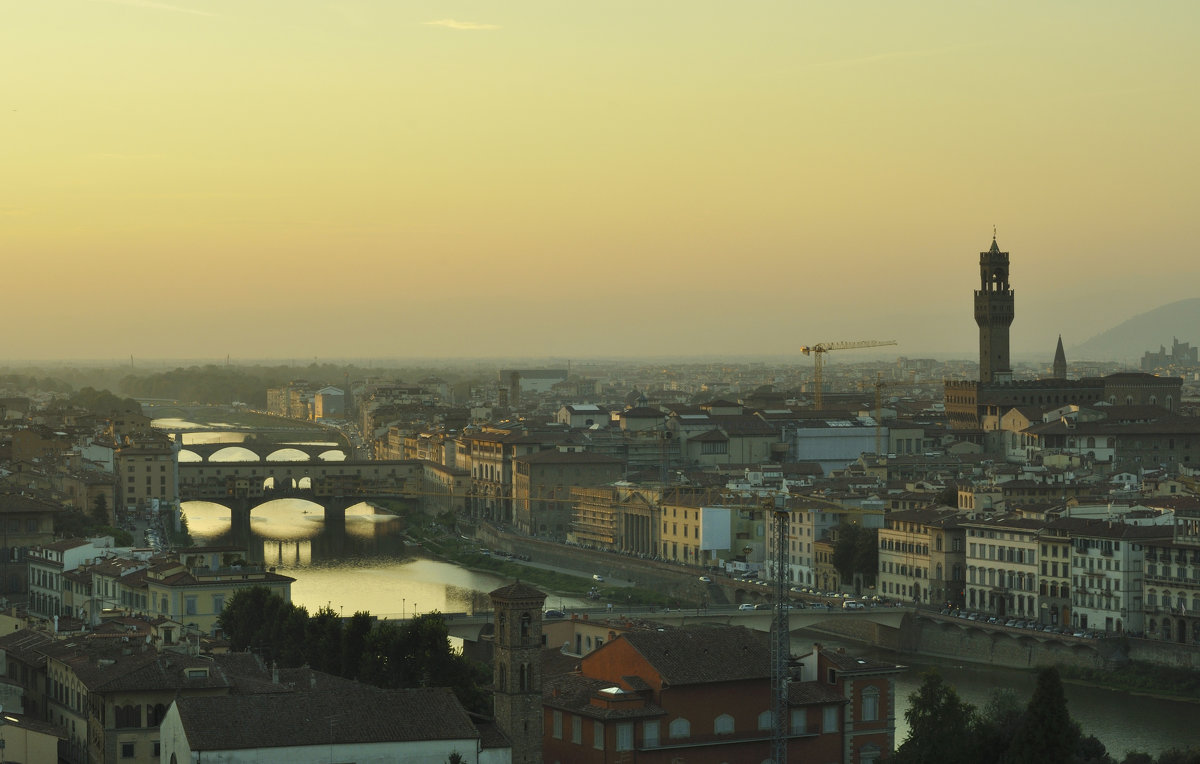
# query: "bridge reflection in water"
[297,533]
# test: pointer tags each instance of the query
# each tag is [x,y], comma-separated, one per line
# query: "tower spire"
[1060,361]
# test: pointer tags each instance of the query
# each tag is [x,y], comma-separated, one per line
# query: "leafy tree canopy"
[415,653]
[940,724]
[856,552]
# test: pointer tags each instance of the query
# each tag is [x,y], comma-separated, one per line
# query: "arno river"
[364,565]
[367,567]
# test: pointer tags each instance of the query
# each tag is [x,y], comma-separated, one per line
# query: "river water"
[364,565]
[1122,721]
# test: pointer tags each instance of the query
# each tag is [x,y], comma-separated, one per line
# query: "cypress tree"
[1046,733]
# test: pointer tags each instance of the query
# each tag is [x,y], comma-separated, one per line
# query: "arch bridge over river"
[221,481]
[336,486]
[262,449]
[471,627]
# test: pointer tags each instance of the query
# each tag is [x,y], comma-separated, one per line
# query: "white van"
[853,605]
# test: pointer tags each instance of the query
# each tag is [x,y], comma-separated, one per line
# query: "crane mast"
[781,642]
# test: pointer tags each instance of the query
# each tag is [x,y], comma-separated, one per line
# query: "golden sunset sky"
[395,178]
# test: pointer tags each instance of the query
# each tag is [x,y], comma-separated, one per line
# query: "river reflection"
[362,564]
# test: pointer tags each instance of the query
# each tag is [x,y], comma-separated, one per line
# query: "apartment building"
[1108,573]
[1002,566]
[647,696]
[147,471]
[922,556]
[542,484]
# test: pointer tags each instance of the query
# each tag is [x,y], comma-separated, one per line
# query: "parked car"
[746,606]
[705,580]
[853,605]
[554,614]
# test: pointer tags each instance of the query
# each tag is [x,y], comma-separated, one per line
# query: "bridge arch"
[187,455]
[233,454]
[275,482]
[332,455]
[287,454]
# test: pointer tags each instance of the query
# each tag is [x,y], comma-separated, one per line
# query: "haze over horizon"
[361,179]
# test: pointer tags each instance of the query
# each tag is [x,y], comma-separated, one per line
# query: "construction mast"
[818,352]
[781,642]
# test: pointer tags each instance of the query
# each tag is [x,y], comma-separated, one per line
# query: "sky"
[399,178]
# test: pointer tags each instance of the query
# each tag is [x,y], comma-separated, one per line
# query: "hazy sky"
[296,178]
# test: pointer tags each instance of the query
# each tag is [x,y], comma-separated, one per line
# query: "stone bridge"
[223,481]
[469,627]
[264,450]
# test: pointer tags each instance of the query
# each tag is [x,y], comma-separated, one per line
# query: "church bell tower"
[994,314]
[517,670]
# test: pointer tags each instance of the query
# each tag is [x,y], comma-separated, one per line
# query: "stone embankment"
[927,634]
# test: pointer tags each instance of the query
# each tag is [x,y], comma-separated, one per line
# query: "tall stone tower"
[1060,361]
[517,671]
[994,313]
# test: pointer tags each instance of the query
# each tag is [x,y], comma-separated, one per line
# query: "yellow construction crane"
[818,352]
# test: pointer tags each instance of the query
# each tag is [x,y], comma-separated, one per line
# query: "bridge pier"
[239,516]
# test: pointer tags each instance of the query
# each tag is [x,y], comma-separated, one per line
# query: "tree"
[940,725]
[415,654]
[856,553]
[866,555]
[100,509]
[995,725]
[1046,733]
[948,496]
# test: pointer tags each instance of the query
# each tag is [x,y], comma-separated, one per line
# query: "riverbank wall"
[927,634]
[952,639]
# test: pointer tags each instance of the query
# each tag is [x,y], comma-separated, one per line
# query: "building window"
[189,605]
[126,750]
[829,719]
[557,725]
[625,736]
[680,728]
[870,704]
[650,734]
[576,730]
[598,736]
[765,720]
[799,721]
[723,725]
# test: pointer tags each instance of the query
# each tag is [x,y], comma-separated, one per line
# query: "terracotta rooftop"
[703,654]
[518,591]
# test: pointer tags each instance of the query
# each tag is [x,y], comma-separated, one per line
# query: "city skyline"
[202,178]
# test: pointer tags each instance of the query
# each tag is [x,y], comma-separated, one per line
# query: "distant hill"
[1129,340]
